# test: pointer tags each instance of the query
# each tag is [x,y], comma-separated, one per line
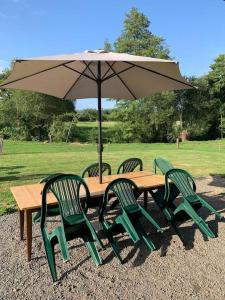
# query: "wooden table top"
[29,196]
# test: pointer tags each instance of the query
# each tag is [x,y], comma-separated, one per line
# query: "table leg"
[145,200]
[28,218]
[21,216]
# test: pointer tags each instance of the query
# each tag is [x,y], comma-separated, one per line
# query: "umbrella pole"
[100,146]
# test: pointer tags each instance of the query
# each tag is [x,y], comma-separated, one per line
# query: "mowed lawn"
[28,162]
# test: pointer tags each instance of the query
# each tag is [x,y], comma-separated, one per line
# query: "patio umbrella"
[96,74]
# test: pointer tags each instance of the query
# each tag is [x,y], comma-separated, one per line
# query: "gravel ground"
[170,272]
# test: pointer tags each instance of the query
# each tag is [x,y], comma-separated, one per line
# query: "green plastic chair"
[52,210]
[74,222]
[127,193]
[129,165]
[186,186]
[93,170]
[162,164]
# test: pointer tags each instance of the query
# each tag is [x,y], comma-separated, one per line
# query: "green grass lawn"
[28,162]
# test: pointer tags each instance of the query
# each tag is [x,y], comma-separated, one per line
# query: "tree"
[28,115]
[148,119]
[196,110]
[136,38]
[216,82]
[107,46]
[88,115]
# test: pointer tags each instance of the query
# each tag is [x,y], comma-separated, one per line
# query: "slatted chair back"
[93,170]
[67,189]
[129,165]
[124,189]
[163,164]
[45,179]
[183,181]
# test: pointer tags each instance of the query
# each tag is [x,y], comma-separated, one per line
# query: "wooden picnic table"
[28,197]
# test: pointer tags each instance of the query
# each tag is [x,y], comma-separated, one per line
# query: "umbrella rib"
[158,73]
[87,65]
[117,74]
[81,73]
[75,82]
[36,73]
[103,77]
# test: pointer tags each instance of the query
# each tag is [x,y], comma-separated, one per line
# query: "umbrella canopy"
[74,76]
[96,74]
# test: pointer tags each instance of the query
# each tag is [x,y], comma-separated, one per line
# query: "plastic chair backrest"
[124,189]
[66,188]
[47,178]
[163,164]
[93,170]
[129,165]
[183,181]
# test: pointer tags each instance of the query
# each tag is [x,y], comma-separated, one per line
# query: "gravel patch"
[170,272]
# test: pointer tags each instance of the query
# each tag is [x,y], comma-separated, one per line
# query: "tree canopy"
[29,115]
[136,37]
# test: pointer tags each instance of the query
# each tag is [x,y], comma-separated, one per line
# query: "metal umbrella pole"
[100,145]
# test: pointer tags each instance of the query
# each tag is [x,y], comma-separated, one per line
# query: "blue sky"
[194,29]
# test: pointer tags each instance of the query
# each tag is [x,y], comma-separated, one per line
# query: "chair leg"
[177,231]
[94,234]
[106,227]
[49,249]
[128,226]
[205,229]
[59,231]
[89,242]
[196,218]
[113,245]
[151,220]
[143,236]
[210,208]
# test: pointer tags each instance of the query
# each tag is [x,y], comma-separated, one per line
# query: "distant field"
[95,124]
[88,131]
[27,162]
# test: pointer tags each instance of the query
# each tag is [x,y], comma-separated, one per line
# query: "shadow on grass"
[22,177]
[11,168]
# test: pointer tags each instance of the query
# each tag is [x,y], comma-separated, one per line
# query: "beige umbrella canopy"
[96,74]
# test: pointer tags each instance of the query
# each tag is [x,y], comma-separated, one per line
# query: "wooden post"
[50,138]
[178,144]
[1,144]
